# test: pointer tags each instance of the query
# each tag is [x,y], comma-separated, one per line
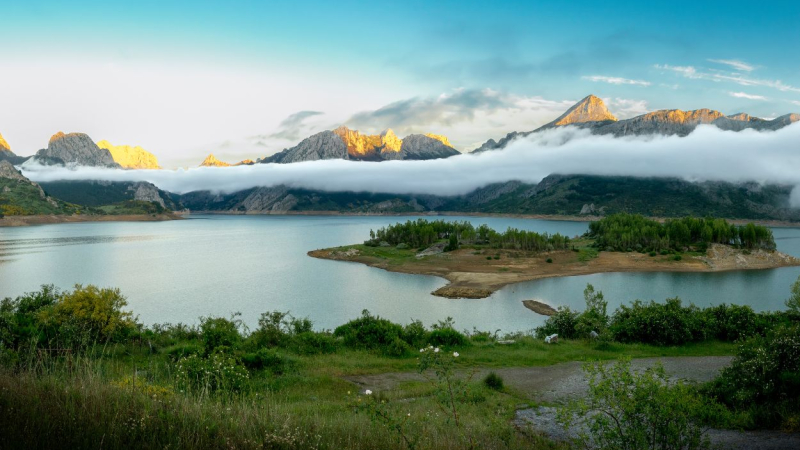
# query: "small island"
[479,260]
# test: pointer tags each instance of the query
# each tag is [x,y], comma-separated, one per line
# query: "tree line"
[423,233]
[622,232]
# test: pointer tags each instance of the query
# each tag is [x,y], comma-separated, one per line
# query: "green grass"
[90,400]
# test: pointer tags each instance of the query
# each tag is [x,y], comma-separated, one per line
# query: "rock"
[539,307]
[4,147]
[593,334]
[147,192]
[451,291]
[212,161]
[7,170]
[590,109]
[384,244]
[402,246]
[130,157]
[588,209]
[75,149]
[344,143]
[434,249]
[552,339]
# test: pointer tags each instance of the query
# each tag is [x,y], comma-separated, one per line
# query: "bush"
[415,334]
[218,332]
[369,332]
[273,329]
[310,343]
[563,323]
[764,378]
[677,258]
[268,359]
[594,317]
[493,381]
[652,254]
[733,322]
[633,410]
[447,337]
[88,314]
[657,323]
[489,257]
[549,260]
[218,372]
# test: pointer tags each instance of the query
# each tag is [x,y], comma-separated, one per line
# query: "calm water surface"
[178,271]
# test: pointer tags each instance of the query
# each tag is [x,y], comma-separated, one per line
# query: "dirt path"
[560,382]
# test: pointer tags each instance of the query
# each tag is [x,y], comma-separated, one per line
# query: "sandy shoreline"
[471,275]
[21,221]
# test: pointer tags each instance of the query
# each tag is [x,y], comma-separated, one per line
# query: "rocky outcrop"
[590,109]
[9,172]
[130,157]
[592,114]
[344,143]
[323,145]
[75,149]
[147,192]
[212,161]
[4,147]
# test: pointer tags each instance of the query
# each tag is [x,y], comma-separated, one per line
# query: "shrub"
[273,329]
[594,317]
[19,318]
[633,410]
[493,381]
[677,258]
[652,254]
[369,332]
[218,332]
[549,260]
[309,343]
[793,303]
[657,323]
[176,352]
[732,322]
[218,372]
[563,323]
[268,359]
[488,257]
[415,334]
[447,337]
[764,378]
[88,314]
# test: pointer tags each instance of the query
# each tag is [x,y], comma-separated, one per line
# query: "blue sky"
[187,78]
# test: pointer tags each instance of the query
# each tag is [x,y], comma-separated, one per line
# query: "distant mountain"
[556,194]
[130,157]
[591,113]
[74,149]
[344,143]
[7,155]
[20,196]
[95,193]
[212,161]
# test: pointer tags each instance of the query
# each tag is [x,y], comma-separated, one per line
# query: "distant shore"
[477,274]
[553,217]
[21,221]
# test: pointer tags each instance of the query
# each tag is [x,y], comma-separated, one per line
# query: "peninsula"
[479,261]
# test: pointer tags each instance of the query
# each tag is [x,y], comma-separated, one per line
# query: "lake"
[178,271]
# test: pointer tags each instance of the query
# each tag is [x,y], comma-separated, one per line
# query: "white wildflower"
[455,354]
[368,392]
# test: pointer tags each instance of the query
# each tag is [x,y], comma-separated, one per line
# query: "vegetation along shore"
[478,261]
[77,370]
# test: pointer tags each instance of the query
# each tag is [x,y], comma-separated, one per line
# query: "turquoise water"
[178,271]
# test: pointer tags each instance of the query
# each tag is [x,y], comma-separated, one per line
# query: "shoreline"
[22,221]
[551,217]
[472,275]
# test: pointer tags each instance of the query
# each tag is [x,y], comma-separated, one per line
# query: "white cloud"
[742,80]
[736,64]
[625,108]
[747,96]
[616,80]
[794,102]
[706,154]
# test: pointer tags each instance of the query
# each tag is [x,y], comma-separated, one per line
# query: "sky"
[244,79]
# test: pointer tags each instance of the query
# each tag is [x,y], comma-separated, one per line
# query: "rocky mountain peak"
[440,138]
[743,117]
[390,141]
[212,161]
[7,170]
[75,149]
[590,109]
[4,147]
[130,157]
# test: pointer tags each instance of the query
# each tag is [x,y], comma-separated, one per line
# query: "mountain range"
[559,194]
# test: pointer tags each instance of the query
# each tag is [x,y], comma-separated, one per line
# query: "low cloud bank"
[706,154]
